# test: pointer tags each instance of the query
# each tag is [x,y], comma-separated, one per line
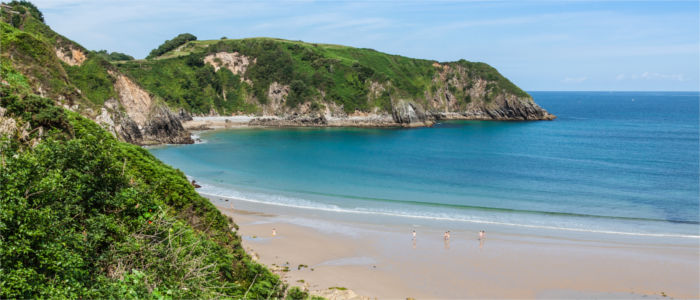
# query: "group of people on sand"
[446,235]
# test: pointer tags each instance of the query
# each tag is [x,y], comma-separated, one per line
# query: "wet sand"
[383,261]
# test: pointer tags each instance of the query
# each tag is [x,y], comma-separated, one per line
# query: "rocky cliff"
[272,82]
[138,119]
[289,83]
[82,81]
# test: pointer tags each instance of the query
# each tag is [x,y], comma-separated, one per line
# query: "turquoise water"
[612,163]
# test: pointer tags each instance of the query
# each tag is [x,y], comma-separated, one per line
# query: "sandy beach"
[328,255]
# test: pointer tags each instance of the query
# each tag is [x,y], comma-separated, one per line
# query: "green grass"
[86,216]
[191,85]
[342,73]
[83,215]
[92,79]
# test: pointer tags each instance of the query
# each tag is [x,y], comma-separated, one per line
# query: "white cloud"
[652,76]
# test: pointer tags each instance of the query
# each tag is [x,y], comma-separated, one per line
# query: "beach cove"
[600,203]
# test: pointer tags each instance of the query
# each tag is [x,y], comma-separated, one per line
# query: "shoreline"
[375,260]
[360,121]
[225,122]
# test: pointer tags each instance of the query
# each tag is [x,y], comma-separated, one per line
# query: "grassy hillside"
[83,215]
[29,45]
[321,72]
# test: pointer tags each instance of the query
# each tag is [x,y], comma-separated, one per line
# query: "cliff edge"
[274,82]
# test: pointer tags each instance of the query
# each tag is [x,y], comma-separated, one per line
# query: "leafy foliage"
[92,79]
[91,217]
[38,111]
[83,215]
[484,71]
[171,44]
[187,82]
[24,6]
[114,56]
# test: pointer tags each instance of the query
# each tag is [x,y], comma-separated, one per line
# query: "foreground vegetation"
[86,216]
[83,215]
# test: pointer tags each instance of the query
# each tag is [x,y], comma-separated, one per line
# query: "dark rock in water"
[195,185]
[513,108]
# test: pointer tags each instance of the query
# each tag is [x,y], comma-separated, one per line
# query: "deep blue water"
[616,162]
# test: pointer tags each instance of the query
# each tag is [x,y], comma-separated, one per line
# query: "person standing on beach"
[274,232]
[414,234]
[481,234]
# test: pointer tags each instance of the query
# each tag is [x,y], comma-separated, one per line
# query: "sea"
[613,164]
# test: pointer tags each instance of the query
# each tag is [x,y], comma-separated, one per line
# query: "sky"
[539,45]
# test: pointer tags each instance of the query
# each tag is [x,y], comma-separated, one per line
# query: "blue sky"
[539,45]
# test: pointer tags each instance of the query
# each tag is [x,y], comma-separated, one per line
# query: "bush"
[171,44]
[114,56]
[91,217]
[22,5]
[92,79]
[38,111]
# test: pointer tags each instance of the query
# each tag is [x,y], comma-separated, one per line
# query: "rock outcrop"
[409,114]
[163,126]
[461,96]
[8,126]
[456,92]
[138,119]
[235,62]
[71,55]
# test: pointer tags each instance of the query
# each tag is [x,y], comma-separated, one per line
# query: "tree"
[171,44]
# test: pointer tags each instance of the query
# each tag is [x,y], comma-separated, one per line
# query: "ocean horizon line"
[612,91]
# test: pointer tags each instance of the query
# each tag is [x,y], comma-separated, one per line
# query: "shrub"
[114,56]
[171,44]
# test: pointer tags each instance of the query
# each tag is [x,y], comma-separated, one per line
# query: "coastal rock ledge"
[404,114]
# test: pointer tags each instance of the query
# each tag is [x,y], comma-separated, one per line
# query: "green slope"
[83,215]
[343,74]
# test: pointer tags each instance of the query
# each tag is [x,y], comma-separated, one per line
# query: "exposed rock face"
[128,130]
[235,62]
[291,120]
[141,120]
[184,115]
[409,114]
[71,55]
[276,95]
[462,97]
[456,93]
[133,98]
[164,126]
[8,126]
